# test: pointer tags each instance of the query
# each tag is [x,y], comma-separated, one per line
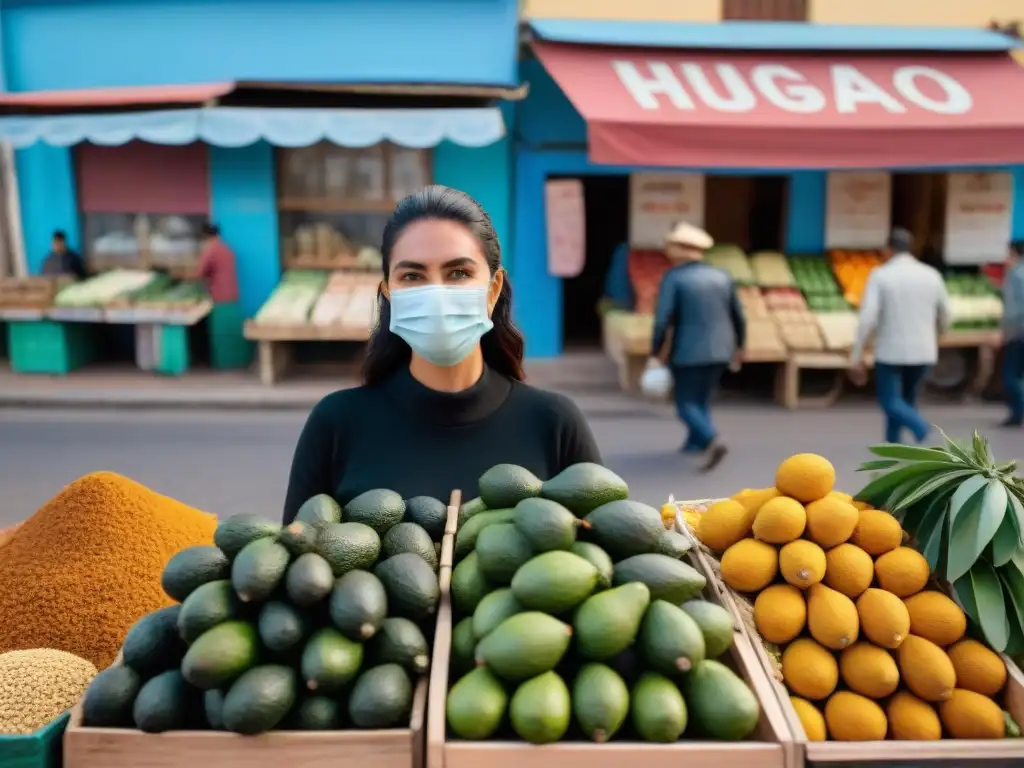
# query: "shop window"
[334,201]
[764,10]
[142,205]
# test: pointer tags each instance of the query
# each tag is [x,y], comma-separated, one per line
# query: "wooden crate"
[770,747]
[391,748]
[959,752]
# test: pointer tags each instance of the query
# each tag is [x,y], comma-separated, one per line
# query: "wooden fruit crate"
[958,752]
[769,747]
[390,748]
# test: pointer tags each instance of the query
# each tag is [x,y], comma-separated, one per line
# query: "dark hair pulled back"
[502,346]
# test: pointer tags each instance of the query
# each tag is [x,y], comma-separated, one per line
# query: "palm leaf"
[877,491]
[962,452]
[913,453]
[973,528]
[928,487]
[874,466]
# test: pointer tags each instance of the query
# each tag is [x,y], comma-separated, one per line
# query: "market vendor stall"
[313,305]
[884,645]
[54,332]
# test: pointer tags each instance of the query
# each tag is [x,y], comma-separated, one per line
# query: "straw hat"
[689,236]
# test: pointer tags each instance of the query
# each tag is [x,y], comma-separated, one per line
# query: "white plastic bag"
[656,381]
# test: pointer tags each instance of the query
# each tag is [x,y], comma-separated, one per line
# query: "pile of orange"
[852,269]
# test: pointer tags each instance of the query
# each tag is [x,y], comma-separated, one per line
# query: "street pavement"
[237,462]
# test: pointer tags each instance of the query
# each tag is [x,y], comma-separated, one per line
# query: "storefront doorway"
[746,211]
[606,206]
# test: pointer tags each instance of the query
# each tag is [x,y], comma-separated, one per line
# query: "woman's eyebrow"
[410,265]
[461,261]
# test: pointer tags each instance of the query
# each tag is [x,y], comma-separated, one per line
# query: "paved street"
[238,462]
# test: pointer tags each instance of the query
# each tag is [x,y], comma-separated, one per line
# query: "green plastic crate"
[49,347]
[174,352]
[41,749]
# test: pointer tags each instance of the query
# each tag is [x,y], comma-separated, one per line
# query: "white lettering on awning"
[799,96]
[722,87]
[647,88]
[958,99]
[851,87]
[740,97]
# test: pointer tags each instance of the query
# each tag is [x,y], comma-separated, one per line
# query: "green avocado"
[608,623]
[659,712]
[670,640]
[554,582]
[598,558]
[358,605]
[715,623]
[163,703]
[281,626]
[380,509]
[409,537]
[600,701]
[299,537]
[308,580]
[191,568]
[505,485]
[348,546]
[259,700]
[209,605]
[476,705]
[109,699]
[626,528]
[153,644]
[411,586]
[381,698]
[234,533]
[220,655]
[494,609]
[469,585]
[330,661]
[428,513]
[400,641]
[524,646]
[465,539]
[584,487]
[722,705]
[259,569]
[667,578]
[319,510]
[547,525]
[541,709]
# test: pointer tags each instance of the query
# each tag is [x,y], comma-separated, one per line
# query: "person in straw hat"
[699,330]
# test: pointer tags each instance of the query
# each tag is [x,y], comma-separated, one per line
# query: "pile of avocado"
[319,625]
[578,619]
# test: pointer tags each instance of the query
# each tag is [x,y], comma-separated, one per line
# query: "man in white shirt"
[906,307]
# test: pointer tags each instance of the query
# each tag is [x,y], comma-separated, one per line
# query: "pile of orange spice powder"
[77,574]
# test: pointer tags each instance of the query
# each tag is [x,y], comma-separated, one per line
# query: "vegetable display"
[103,289]
[320,625]
[577,617]
[869,644]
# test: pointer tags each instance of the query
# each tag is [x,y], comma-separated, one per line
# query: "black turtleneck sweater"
[419,442]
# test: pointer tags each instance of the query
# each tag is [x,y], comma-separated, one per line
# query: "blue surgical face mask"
[442,323]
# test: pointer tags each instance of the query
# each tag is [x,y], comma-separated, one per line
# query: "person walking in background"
[63,261]
[1013,334]
[699,329]
[905,307]
[217,270]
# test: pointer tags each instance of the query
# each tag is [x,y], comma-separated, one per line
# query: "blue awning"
[770,36]
[282,127]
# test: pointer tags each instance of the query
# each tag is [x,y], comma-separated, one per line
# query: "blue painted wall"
[550,140]
[151,42]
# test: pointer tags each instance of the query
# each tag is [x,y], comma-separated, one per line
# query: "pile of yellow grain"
[77,574]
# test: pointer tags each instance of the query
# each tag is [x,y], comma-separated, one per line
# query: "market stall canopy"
[700,103]
[239,114]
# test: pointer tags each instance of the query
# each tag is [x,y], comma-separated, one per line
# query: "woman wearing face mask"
[443,397]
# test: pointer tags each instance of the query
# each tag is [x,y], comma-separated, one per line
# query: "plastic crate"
[49,347]
[41,749]
[172,350]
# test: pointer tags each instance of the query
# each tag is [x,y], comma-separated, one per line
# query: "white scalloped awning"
[282,127]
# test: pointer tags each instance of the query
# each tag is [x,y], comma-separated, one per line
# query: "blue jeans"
[897,387]
[1013,378]
[694,385]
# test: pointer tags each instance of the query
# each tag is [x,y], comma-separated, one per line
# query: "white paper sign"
[858,211]
[978,210]
[659,201]
[567,227]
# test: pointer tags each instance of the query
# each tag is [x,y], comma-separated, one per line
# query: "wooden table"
[274,343]
[787,385]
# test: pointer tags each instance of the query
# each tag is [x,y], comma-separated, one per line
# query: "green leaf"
[1006,542]
[988,596]
[1013,589]
[879,489]
[928,487]
[963,590]
[921,518]
[960,451]
[973,528]
[874,466]
[937,542]
[913,453]
[1008,468]
[1018,512]
[963,493]
[982,450]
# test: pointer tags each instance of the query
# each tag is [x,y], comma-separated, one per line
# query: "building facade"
[258,191]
